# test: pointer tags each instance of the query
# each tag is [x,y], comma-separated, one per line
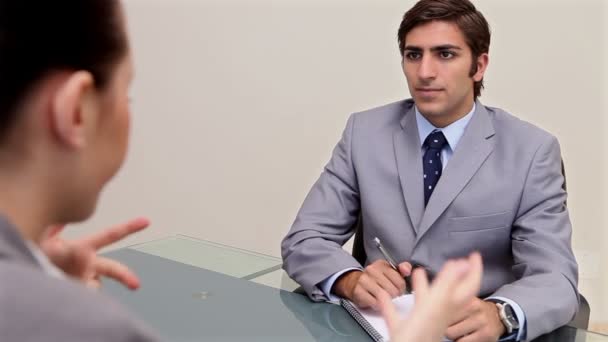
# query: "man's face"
[437,64]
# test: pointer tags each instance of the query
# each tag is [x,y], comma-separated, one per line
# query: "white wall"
[603,263]
[238,104]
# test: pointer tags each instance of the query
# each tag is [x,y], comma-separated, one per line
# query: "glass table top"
[212,256]
[266,270]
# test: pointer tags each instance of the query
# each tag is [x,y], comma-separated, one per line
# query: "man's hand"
[364,288]
[456,285]
[79,259]
[477,322]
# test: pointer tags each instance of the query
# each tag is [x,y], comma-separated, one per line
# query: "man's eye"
[413,55]
[446,54]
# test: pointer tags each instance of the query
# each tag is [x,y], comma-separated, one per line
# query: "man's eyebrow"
[442,47]
[412,48]
[445,47]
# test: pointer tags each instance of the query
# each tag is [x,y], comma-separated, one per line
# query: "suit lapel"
[409,164]
[474,147]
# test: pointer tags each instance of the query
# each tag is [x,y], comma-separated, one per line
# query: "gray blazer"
[500,194]
[37,307]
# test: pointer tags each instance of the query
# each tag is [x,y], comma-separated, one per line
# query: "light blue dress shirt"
[452,133]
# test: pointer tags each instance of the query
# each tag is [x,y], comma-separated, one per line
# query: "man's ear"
[71,103]
[482,65]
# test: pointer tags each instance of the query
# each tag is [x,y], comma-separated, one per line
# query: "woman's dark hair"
[40,37]
[463,13]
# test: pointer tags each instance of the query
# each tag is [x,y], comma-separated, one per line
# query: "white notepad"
[373,322]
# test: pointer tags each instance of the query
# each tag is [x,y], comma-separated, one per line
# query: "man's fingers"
[395,281]
[382,274]
[117,271]
[461,329]
[364,299]
[474,337]
[115,233]
[405,268]
[462,314]
[371,286]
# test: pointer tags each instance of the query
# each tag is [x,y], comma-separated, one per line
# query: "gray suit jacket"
[37,307]
[500,194]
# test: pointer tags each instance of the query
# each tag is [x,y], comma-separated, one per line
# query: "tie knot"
[435,140]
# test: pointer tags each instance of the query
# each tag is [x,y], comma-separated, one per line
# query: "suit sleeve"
[543,262]
[312,250]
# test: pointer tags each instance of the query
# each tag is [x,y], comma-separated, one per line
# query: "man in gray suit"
[439,176]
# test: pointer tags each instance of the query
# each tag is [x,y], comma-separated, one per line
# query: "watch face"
[510,315]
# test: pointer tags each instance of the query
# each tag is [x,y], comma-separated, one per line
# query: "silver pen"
[387,256]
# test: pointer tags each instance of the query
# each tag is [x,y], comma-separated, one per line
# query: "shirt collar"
[452,133]
[47,266]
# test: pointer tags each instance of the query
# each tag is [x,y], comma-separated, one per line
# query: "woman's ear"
[73,100]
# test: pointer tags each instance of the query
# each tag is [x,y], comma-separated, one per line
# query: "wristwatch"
[507,316]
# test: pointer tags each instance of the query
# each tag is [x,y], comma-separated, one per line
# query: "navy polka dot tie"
[431,162]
